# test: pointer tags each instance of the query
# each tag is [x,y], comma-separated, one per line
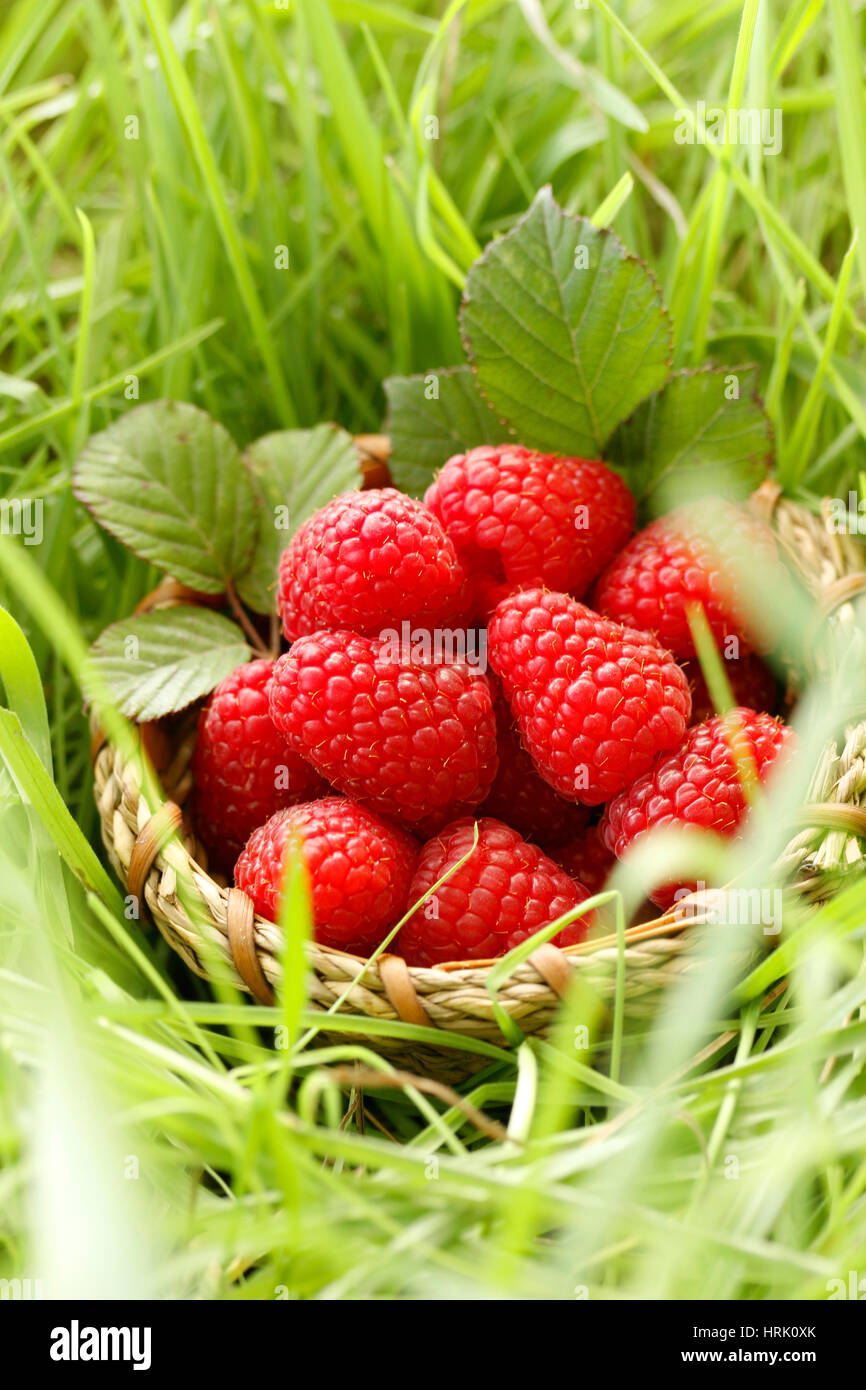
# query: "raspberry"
[359,868]
[752,683]
[521,519]
[587,858]
[699,784]
[522,798]
[366,561]
[690,556]
[595,702]
[506,890]
[409,738]
[242,766]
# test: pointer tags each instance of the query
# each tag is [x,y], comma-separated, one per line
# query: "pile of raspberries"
[506,655]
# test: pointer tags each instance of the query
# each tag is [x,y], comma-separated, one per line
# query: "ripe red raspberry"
[522,798]
[366,561]
[359,868]
[242,766]
[595,702]
[411,739]
[521,519]
[693,555]
[698,784]
[587,858]
[752,683]
[506,890]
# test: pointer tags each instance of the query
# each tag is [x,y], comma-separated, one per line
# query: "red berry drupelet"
[410,739]
[522,798]
[691,557]
[242,766]
[359,867]
[519,518]
[506,890]
[367,561]
[698,784]
[595,702]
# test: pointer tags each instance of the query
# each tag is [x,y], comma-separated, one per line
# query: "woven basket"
[153,862]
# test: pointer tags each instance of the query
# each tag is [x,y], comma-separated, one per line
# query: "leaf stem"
[245,621]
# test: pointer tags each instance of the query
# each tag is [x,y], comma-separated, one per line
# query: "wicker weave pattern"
[457,999]
[832,566]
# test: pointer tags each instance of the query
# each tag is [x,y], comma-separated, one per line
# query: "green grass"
[219,1150]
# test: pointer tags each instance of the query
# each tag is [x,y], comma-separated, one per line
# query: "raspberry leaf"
[433,416]
[566,330]
[169,482]
[705,432]
[294,472]
[154,664]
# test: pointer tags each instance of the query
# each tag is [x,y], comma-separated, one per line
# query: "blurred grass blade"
[181,93]
[851,114]
[39,790]
[609,98]
[608,209]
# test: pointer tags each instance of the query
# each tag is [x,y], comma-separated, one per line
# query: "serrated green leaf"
[295,472]
[695,438]
[170,483]
[426,429]
[154,664]
[566,330]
